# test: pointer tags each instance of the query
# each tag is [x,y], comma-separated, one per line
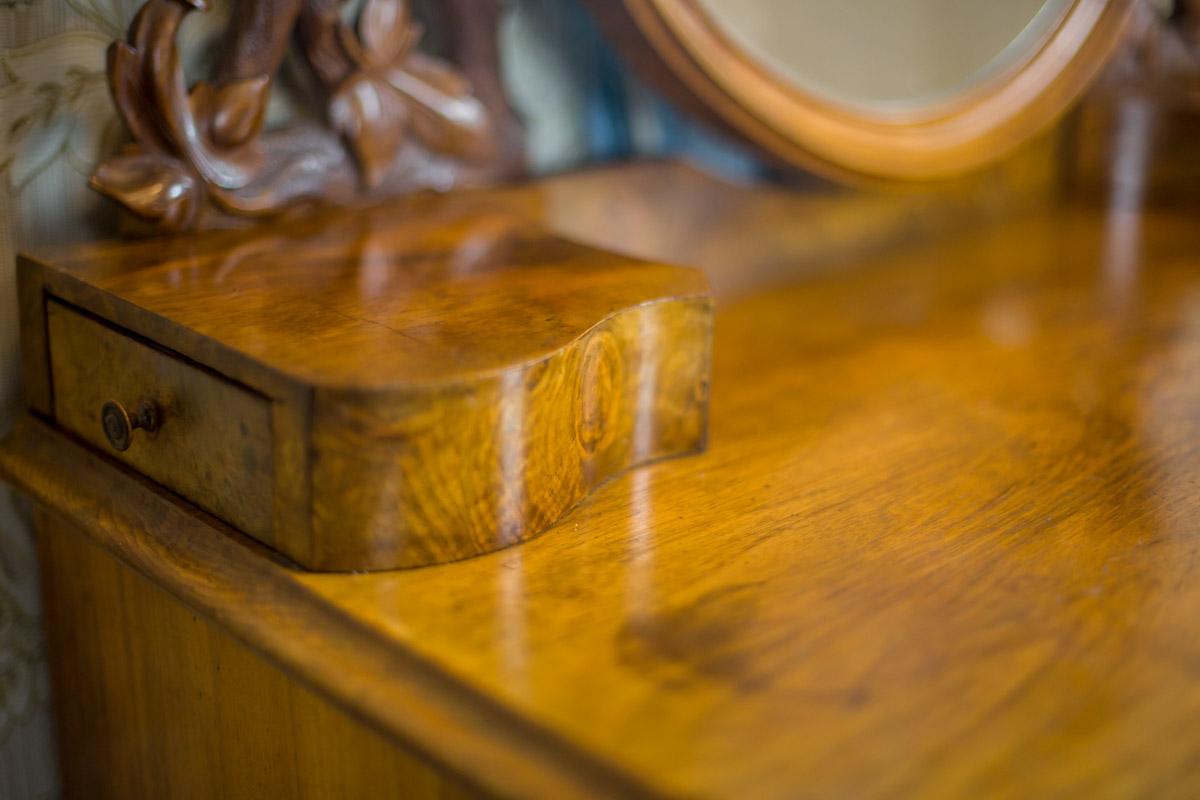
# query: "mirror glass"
[883,55]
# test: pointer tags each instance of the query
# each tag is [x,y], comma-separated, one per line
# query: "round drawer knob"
[119,425]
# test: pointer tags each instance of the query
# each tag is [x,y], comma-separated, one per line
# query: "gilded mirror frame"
[677,45]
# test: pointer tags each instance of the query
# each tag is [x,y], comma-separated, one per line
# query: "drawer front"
[210,439]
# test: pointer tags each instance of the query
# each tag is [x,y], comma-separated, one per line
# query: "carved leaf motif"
[159,189]
[446,116]
[385,31]
[203,154]
[235,112]
[125,82]
[373,119]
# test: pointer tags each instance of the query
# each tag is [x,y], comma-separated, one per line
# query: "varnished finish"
[678,47]
[946,526]
[155,702]
[230,579]
[942,544]
[212,440]
[456,470]
[444,377]
[749,237]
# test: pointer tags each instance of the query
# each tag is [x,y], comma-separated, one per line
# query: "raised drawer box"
[413,383]
[217,448]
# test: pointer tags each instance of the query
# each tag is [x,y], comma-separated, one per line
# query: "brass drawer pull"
[119,425]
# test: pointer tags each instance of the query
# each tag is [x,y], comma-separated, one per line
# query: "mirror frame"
[677,47]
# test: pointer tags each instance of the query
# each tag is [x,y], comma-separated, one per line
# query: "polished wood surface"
[445,378]
[942,543]
[155,702]
[678,46]
[459,470]
[232,580]
[748,237]
[945,527]
[213,439]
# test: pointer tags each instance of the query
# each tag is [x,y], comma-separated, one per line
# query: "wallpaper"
[579,105]
[55,120]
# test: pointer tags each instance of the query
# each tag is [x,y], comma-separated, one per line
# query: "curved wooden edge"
[419,415]
[238,584]
[441,473]
[683,53]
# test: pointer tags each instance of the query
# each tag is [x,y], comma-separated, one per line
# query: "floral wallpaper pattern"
[56,106]
[55,122]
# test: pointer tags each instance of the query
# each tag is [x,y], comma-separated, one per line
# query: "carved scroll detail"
[395,119]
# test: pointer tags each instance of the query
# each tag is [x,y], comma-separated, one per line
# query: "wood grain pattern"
[214,444]
[681,50]
[154,702]
[942,544]
[945,527]
[465,469]
[446,377]
[256,599]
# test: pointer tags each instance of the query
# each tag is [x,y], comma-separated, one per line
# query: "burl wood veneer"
[406,384]
[943,544]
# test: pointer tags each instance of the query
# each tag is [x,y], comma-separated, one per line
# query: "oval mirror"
[908,89]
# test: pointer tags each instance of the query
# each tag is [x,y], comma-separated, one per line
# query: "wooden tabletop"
[945,542]
[423,290]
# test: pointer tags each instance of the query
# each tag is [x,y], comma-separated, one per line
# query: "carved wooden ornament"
[394,119]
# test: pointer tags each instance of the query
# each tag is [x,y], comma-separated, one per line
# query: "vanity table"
[866,509]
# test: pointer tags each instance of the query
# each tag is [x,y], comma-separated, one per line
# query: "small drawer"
[200,435]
